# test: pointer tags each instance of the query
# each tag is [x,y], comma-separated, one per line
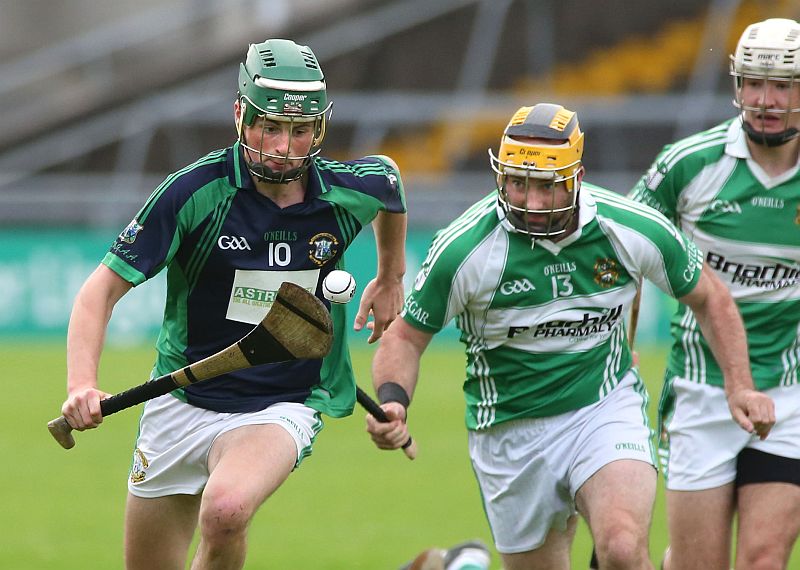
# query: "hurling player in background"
[539,276]
[229,229]
[735,190]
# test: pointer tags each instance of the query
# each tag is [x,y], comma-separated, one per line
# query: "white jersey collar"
[736,143]
[736,147]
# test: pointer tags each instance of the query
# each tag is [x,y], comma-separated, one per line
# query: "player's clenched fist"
[82,408]
[754,411]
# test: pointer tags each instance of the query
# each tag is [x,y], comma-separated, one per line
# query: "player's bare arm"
[383,296]
[87,330]
[722,326]
[396,360]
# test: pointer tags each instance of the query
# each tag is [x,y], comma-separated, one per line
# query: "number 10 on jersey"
[279,254]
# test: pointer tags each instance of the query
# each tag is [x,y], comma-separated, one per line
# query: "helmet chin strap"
[769,139]
[266,174]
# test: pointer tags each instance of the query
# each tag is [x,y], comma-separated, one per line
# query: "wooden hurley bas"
[297,326]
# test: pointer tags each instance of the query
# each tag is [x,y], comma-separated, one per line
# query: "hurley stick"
[634,321]
[297,326]
[410,446]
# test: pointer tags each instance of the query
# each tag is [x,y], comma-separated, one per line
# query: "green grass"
[349,506]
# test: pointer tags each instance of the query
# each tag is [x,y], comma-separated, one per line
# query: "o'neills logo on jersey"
[322,248]
[775,276]
[606,272]
[556,268]
[767,202]
[280,235]
[589,324]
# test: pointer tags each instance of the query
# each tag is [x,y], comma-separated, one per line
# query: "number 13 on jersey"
[562,285]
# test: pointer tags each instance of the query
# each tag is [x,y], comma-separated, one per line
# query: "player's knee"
[622,547]
[763,557]
[224,517]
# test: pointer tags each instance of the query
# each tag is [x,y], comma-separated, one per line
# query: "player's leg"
[167,475]
[617,502]
[699,443]
[768,489]
[246,466]
[553,554]
[769,524]
[521,467]
[613,475]
[158,532]
[700,528]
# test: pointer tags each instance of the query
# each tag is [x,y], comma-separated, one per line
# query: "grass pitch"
[348,507]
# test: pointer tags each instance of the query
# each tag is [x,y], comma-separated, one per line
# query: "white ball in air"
[339,286]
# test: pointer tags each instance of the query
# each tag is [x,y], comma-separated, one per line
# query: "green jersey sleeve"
[674,169]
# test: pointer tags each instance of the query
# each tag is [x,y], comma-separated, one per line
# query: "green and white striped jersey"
[543,322]
[748,225]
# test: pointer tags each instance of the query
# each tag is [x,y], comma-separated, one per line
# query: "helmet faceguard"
[768,51]
[281,81]
[543,142]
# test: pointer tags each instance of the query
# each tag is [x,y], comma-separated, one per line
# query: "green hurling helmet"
[281,81]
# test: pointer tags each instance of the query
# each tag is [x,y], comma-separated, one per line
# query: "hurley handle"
[410,446]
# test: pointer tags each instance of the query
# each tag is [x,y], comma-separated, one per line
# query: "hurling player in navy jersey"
[229,229]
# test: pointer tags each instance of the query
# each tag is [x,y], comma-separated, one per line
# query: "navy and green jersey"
[228,248]
[748,224]
[543,322]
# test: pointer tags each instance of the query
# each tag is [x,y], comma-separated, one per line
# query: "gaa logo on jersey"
[797,216]
[606,272]
[129,234]
[322,248]
[516,286]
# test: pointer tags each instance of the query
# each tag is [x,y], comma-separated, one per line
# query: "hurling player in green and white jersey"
[230,228]
[735,190]
[539,276]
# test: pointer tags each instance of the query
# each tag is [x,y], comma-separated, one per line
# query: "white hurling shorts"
[171,455]
[529,470]
[699,439]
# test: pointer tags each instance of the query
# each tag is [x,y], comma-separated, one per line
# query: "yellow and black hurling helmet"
[555,155]
[545,142]
[768,51]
